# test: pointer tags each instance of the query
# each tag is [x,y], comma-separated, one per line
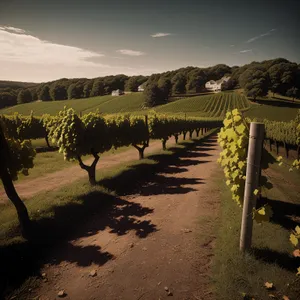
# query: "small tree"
[15,156]
[78,137]
[24,96]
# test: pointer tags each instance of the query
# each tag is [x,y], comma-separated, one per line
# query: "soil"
[56,180]
[160,245]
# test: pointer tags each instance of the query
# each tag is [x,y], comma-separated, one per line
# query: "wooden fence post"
[256,139]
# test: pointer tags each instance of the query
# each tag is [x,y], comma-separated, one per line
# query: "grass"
[105,104]
[270,259]
[270,112]
[60,216]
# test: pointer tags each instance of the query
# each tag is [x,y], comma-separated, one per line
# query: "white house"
[141,88]
[216,86]
[117,93]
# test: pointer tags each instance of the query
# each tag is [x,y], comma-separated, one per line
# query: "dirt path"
[55,180]
[162,237]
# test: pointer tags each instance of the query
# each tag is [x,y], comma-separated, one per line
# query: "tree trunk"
[47,141]
[13,196]
[191,134]
[140,149]
[202,131]
[176,138]
[164,142]
[277,147]
[197,132]
[184,134]
[270,145]
[298,152]
[90,169]
[286,150]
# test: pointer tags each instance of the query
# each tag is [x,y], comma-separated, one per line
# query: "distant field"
[215,105]
[276,113]
[105,104]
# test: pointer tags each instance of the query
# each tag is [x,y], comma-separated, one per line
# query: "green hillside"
[215,105]
[105,104]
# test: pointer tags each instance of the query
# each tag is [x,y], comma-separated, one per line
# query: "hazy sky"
[43,40]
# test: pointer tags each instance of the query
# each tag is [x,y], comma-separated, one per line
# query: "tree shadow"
[276,101]
[282,259]
[285,214]
[90,213]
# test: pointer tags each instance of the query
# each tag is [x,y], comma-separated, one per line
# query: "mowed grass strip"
[238,276]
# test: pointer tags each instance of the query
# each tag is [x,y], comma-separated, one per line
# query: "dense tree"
[7,99]
[165,86]
[75,91]
[87,88]
[58,92]
[44,94]
[255,82]
[179,82]
[132,84]
[24,96]
[97,88]
[196,80]
[152,95]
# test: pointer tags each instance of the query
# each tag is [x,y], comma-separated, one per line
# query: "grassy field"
[243,277]
[105,104]
[271,112]
[215,105]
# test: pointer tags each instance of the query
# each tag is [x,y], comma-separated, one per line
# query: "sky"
[42,40]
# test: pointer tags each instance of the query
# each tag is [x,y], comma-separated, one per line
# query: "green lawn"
[243,277]
[270,112]
[105,104]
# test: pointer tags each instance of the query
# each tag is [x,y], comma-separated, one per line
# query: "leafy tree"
[87,88]
[24,96]
[58,92]
[44,94]
[15,156]
[165,87]
[7,99]
[75,91]
[293,92]
[152,95]
[196,80]
[179,82]
[97,88]
[132,84]
[255,82]
[34,95]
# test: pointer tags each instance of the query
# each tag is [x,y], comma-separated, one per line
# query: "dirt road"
[56,180]
[160,238]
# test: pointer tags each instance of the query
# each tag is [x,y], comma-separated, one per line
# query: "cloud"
[25,48]
[232,45]
[245,51]
[261,36]
[160,34]
[130,52]
[12,29]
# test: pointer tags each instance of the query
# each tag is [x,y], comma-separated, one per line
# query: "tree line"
[257,78]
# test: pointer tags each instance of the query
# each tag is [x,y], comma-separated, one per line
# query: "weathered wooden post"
[256,139]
